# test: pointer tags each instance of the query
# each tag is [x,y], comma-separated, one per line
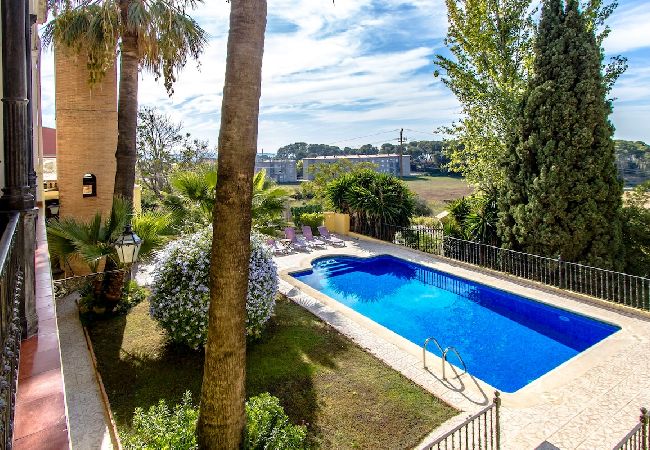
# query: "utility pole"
[402,138]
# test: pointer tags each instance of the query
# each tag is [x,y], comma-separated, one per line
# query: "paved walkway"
[86,415]
[590,402]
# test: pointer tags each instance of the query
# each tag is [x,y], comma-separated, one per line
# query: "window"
[89,188]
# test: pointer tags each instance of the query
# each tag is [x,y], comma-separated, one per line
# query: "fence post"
[559,269]
[497,405]
[644,428]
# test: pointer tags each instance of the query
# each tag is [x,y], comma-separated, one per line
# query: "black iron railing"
[615,287]
[639,437]
[11,295]
[481,431]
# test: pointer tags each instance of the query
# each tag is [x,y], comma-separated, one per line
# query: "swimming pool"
[505,340]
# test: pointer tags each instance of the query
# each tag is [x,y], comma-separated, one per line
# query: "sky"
[354,72]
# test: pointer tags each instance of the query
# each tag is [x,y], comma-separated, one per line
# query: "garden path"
[88,421]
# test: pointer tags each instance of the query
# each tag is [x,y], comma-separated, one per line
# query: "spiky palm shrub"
[372,199]
[196,190]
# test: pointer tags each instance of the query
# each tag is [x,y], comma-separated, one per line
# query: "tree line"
[632,157]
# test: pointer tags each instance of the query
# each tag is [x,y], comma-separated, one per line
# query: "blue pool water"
[505,340]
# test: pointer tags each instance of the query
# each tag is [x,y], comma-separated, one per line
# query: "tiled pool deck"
[589,402]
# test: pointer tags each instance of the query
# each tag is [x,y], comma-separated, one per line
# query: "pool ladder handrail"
[444,355]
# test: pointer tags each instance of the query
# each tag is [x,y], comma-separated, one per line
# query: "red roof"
[49,142]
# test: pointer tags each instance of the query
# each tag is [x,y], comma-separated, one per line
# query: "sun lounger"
[295,243]
[309,237]
[330,238]
[277,247]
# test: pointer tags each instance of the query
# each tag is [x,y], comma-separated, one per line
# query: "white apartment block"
[385,163]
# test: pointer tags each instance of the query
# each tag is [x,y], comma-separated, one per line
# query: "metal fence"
[638,438]
[11,295]
[481,431]
[615,287]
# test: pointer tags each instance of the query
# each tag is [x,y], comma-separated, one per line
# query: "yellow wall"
[337,222]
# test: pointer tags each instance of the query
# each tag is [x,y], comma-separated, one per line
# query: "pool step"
[333,268]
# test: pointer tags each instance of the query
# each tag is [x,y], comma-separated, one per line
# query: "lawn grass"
[345,396]
[438,190]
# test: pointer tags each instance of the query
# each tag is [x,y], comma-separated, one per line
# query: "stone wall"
[86,135]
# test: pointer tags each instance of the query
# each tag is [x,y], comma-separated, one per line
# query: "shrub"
[298,211]
[160,427]
[267,426]
[421,207]
[313,220]
[180,290]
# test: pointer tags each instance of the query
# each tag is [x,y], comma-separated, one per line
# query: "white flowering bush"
[180,290]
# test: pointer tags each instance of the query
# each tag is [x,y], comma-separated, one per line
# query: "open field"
[346,397]
[436,191]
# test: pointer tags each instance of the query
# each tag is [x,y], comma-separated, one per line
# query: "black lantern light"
[128,246]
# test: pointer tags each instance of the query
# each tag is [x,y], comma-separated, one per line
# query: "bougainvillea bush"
[180,290]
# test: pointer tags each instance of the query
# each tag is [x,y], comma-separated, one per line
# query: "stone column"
[16,193]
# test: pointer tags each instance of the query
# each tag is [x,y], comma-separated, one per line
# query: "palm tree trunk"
[127,111]
[222,417]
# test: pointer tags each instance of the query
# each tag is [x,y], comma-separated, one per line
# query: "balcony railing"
[11,295]
[614,287]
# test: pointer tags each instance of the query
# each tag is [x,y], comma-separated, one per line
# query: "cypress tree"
[562,194]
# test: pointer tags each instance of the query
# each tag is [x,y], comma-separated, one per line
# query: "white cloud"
[354,68]
[630,29]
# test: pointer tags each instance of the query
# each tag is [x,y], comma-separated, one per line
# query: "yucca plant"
[156,35]
[372,199]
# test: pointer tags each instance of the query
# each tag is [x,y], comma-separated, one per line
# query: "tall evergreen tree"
[562,195]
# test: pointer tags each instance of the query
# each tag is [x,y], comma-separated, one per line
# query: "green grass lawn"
[345,396]
[436,191]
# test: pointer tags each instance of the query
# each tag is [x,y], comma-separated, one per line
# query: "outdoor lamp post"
[128,246]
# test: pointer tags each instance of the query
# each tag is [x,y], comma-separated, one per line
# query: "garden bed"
[345,396]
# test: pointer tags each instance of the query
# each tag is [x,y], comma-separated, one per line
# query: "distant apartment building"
[385,163]
[279,170]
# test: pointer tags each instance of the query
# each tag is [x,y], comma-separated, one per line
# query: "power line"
[361,137]
[423,132]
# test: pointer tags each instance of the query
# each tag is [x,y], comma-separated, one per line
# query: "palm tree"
[222,416]
[157,35]
[92,242]
[196,188]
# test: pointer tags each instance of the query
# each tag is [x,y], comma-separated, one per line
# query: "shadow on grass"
[139,366]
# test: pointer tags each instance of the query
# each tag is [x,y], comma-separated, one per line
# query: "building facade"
[279,170]
[385,163]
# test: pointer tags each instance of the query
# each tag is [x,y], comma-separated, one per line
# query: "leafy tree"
[157,140]
[562,195]
[157,35]
[491,43]
[222,416]
[636,231]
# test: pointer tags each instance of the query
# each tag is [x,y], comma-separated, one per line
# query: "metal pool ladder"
[444,355]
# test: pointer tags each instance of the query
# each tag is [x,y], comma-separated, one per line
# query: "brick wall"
[86,136]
